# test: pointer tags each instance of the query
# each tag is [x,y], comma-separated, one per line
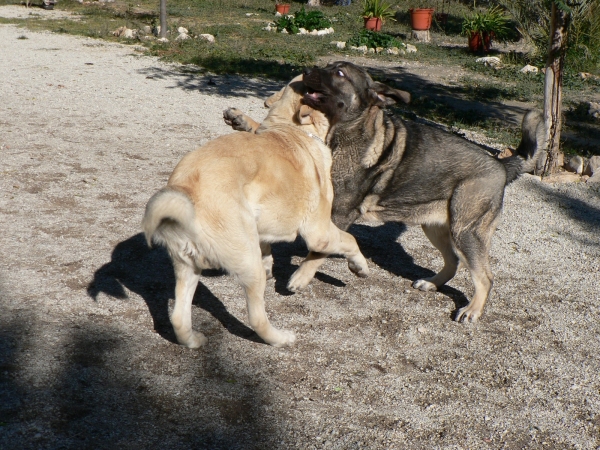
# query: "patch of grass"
[22,37]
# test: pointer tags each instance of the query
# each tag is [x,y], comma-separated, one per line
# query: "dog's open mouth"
[312,97]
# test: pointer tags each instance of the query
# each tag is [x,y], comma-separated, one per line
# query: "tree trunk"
[163,18]
[553,90]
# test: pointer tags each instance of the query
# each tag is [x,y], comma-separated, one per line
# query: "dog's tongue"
[313,95]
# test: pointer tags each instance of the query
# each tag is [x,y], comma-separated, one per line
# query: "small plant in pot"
[375,13]
[482,28]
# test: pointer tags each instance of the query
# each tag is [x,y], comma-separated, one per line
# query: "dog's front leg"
[334,241]
[181,317]
[240,121]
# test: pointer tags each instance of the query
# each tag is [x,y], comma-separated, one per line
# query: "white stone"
[594,110]
[575,164]
[411,48]
[529,69]
[163,40]
[421,35]
[302,31]
[339,44]
[592,167]
[392,51]
[371,50]
[492,61]
[182,37]
[362,48]
[594,178]
[182,30]
[207,37]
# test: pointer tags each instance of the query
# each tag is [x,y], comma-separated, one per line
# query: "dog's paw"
[299,280]
[424,285]
[285,338]
[359,268]
[236,119]
[194,340]
[468,314]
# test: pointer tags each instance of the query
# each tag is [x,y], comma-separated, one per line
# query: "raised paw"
[468,314]
[359,268]
[299,280]
[236,119]
[424,285]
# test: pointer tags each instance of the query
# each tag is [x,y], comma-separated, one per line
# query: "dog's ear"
[274,98]
[383,95]
[305,115]
[294,84]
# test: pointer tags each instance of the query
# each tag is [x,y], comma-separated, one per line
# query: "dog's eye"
[340,73]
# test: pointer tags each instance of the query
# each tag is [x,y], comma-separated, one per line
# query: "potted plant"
[375,12]
[420,18]
[482,28]
[281,7]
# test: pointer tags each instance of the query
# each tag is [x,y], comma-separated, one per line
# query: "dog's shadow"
[380,244]
[149,273]
[377,243]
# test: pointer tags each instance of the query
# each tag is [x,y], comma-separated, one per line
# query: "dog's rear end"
[169,221]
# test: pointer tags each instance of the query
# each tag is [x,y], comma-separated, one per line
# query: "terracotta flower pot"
[282,8]
[373,23]
[420,18]
[480,42]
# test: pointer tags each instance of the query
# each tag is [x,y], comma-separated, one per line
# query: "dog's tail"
[531,148]
[169,220]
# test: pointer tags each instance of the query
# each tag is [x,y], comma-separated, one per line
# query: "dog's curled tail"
[530,149]
[169,220]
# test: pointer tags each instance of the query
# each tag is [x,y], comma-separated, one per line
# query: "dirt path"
[89,130]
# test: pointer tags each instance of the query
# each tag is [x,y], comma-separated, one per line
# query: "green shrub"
[312,20]
[373,39]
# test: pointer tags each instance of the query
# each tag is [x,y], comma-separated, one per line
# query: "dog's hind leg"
[473,222]
[181,317]
[475,255]
[253,280]
[321,244]
[241,256]
[439,235]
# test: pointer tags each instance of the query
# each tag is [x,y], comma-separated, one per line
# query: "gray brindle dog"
[387,169]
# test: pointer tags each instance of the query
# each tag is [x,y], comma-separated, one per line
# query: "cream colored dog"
[228,200]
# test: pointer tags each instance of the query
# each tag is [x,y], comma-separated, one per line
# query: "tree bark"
[553,90]
[163,18]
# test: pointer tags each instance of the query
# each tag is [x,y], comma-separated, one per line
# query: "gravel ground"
[90,130]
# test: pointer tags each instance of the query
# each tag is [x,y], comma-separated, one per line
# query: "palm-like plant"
[377,8]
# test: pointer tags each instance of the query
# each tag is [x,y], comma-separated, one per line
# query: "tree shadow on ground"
[451,101]
[579,211]
[197,79]
[100,395]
